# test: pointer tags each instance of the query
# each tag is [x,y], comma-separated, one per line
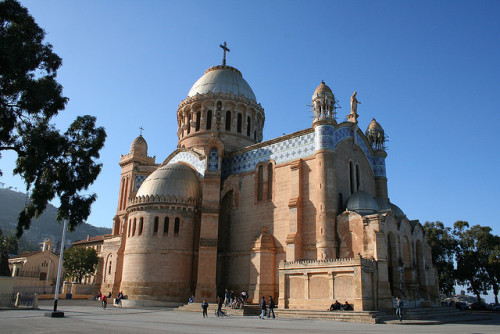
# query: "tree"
[473,252]
[51,163]
[493,266]
[7,243]
[443,245]
[80,262]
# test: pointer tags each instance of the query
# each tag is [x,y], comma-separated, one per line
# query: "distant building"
[40,265]
[304,217]
[95,243]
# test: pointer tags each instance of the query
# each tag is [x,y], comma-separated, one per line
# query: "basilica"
[305,217]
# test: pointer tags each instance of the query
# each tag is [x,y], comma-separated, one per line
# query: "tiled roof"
[91,240]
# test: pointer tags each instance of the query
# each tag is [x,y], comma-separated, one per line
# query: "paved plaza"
[88,317]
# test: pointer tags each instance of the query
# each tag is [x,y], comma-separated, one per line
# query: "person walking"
[104,301]
[220,301]
[399,308]
[263,308]
[272,305]
[204,306]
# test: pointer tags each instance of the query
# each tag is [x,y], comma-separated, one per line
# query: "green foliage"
[493,267]
[7,244]
[79,262]
[474,250]
[443,245]
[475,246]
[52,164]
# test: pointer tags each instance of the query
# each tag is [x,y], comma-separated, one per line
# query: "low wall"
[6,284]
[314,285]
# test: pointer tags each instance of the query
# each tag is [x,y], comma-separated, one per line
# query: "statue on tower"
[354,103]
[353,116]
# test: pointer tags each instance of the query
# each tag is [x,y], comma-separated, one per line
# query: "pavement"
[85,316]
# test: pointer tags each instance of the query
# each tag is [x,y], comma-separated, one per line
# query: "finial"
[141,128]
[224,47]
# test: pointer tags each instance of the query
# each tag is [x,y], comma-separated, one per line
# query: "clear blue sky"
[428,71]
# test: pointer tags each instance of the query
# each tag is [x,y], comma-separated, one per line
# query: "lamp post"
[55,313]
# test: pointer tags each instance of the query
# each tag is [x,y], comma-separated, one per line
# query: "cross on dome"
[225,48]
[141,128]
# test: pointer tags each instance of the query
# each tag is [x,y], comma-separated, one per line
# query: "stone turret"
[376,136]
[324,104]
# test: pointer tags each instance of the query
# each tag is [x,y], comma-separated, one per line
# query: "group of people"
[235,302]
[263,307]
[104,298]
[341,307]
[398,305]
[229,300]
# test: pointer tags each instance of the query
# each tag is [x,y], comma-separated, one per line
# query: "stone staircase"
[433,314]
[247,310]
[254,310]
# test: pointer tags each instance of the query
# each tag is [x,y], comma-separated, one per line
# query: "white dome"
[175,179]
[222,79]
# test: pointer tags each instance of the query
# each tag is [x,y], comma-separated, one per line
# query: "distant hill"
[11,203]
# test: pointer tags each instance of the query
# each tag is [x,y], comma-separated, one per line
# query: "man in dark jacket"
[271,307]
[263,307]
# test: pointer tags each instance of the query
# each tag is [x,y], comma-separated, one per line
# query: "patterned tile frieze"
[138,181]
[324,137]
[281,152]
[191,159]
[213,160]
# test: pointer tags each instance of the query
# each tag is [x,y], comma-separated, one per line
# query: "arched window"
[351,177]
[133,229]
[109,268]
[209,120]
[260,182]
[176,226]
[358,183]
[155,228]
[270,181]
[129,226]
[248,126]
[228,120]
[165,226]
[189,124]
[198,120]
[239,123]
[141,223]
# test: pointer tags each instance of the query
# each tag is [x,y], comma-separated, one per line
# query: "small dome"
[175,179]
[222,79]
[140,146]
[362,203]
[374,125]
[383,205]
[397,212]
[322,90]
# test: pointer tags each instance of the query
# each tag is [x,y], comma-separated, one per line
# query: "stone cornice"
[220,96]
[133,203]
[132,157]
